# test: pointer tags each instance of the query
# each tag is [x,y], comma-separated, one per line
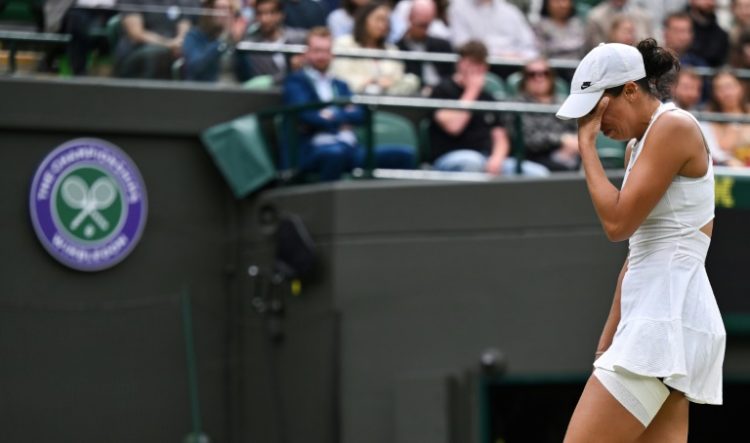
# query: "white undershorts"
[641,396]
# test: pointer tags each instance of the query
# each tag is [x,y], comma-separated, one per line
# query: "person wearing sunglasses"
[547,140]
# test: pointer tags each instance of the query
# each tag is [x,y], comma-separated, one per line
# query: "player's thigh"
[600,418]
[670,425]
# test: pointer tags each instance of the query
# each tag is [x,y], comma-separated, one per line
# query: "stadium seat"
[113,30]
[495,86]
[22,15]
[261,82]
[611,152]
[425,151]
[394,129]
[391,129]
[239,150]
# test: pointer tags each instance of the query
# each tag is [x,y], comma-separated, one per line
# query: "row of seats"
[494,84]
[245,155]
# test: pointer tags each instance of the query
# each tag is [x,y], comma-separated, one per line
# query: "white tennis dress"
[670,325]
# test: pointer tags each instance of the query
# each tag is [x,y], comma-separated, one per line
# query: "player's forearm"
[604,194]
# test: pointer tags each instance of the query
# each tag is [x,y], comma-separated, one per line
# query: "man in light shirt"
[328,144]
[501,26]
[600,19]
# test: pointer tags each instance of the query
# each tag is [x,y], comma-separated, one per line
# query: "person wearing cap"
[663,343]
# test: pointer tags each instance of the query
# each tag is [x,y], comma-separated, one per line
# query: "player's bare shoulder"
[677,135]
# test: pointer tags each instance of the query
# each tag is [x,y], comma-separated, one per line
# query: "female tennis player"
[663,342]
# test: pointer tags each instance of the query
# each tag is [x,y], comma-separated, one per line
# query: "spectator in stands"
[438,28]
[341,20]
[472,141]
[417,39]
[207,48]
[710,41]
[678,36]
[687,93]
[547,140]
[740,59]
[560,31]
[80,19]
[152,41]
[305,14]
[687,90]
[373,76]
[269,28]
[328,143]
[660,9]
[740,23]
[501,26]
[733,138]
[622,31]
[600,18]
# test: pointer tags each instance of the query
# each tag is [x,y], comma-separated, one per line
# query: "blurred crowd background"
[504,50]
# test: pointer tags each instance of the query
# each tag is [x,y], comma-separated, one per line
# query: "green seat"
[611,152]
[495,86]
[22,14]
[113,30]
[513,82]
[392,129]
[583,7]
[261,82]
[241,153]
[425,151]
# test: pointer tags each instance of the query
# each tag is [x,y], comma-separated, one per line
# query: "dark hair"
[525,76]
[349,6]
[206,21]
[473,50]
[277,4]
[713,103]
[360,23]
[679,15]
[545,9]
[661,66]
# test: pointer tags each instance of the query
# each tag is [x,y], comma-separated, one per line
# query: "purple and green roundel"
[88,204]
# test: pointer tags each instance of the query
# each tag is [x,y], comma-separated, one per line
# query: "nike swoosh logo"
[585,85]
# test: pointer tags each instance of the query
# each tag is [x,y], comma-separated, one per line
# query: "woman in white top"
[663,342]
[372,75]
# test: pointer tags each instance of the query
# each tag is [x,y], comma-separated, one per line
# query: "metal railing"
[371,103]
[386,54]
[442,57]
[16,39]
[508,107]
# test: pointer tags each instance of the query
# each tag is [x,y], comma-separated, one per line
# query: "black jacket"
[432,44]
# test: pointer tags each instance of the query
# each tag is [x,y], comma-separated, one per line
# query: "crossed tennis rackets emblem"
[89,200]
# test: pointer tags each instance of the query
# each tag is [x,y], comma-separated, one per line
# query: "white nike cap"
[606,66]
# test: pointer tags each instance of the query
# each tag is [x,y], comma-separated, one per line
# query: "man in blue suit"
[328,144]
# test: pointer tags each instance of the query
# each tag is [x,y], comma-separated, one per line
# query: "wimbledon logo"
[88,204]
